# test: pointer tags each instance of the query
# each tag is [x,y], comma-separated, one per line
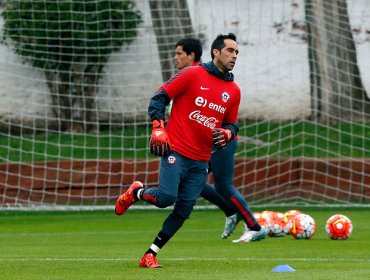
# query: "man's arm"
[229,128]
[233,127]
[159,142]
[157,105]
[224,134]
[230,121]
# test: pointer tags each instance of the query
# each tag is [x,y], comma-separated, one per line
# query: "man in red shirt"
[223,194]
[204,114]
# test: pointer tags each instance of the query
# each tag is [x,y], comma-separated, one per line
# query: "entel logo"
[202,102]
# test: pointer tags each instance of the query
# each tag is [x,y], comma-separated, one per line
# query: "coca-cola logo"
[203,120]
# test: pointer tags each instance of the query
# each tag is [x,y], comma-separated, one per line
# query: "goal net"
[76,78]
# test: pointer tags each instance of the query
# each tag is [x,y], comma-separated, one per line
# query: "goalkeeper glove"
[220,137]
[159,142]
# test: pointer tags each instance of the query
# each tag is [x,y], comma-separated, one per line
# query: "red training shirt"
[201,102]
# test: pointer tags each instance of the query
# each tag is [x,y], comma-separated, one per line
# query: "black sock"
[136,191]
[160,240]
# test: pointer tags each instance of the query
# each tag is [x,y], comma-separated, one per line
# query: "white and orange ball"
[277,226]
[267,215]
[304,227]
[339,227]
[261,220]
[290,215]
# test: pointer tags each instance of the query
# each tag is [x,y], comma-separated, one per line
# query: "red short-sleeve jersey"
[201,102]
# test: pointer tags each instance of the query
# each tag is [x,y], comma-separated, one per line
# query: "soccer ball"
[277,226]
[339,227]
[290,215]
[304,227]
[267,215]
[261,219]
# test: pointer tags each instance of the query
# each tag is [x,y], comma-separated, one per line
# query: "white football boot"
[230,225]
[251,235]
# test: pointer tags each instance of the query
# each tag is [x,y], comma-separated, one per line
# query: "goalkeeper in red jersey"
[224,195]
[188,53]
[204,113]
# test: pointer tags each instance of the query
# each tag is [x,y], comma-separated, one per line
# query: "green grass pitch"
[101,245]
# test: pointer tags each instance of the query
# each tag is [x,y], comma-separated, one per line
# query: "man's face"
[182,59]
[226,58]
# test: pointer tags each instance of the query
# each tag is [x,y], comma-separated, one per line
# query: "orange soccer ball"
[339,227]
[267,215]
[261,219]
[304,227]
[277,226]
[290,216]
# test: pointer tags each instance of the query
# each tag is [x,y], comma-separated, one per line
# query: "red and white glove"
[159,142]
[220,137]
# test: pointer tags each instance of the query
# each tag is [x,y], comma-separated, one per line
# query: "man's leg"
[189,190]
[163,196]
[222,162]
[209,193]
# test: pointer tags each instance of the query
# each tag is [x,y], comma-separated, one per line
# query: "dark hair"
[190,45]
[219,42]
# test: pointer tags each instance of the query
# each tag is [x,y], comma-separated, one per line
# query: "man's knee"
[165,200]
[184,209]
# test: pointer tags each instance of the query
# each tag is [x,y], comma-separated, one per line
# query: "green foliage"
[57,34]
[71,40]
[101,245]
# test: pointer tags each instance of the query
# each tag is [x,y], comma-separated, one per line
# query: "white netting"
[304,115]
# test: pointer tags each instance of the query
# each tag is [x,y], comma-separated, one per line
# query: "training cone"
[283,268]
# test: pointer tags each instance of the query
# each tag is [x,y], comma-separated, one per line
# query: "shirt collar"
[212,69]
